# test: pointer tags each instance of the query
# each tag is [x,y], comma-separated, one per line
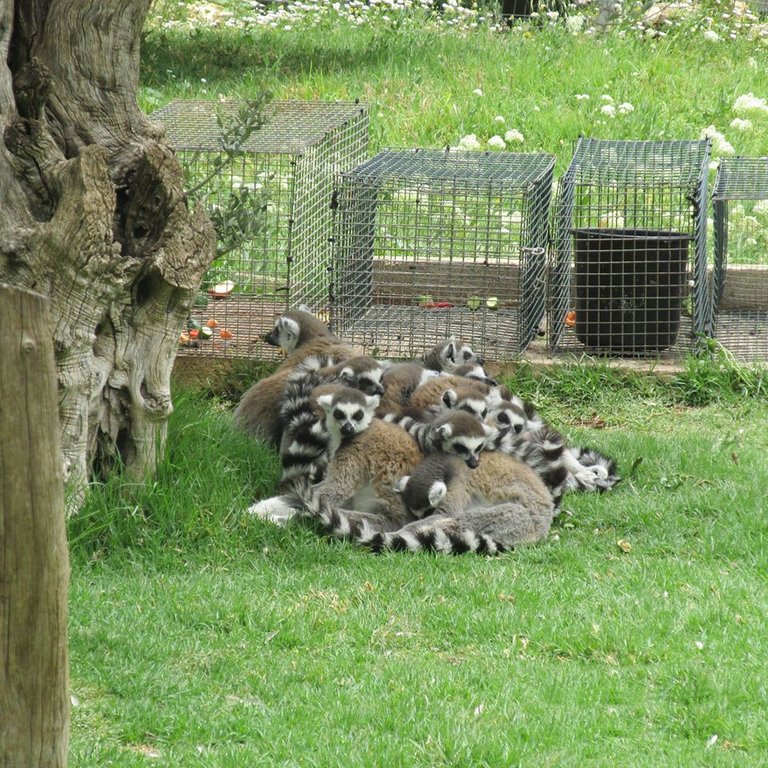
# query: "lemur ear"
[325,402]
[373,401]
[347,374]
[437,492]
[450,398]
[305,308]
[400,485]
[450,349]
[444,430]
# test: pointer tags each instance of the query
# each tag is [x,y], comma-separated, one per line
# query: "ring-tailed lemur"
[302,336]
[560,466]
[305,440]
[449,355]
[488,510]
[365,464]
[452,431]
[521,432]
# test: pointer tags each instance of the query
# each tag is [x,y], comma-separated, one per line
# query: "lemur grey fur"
[488,510]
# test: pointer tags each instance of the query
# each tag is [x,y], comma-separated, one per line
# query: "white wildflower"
[496,142]
[553,15]
[607,99]
[574,24]
[582,96]
[711,35]
[478,91]
[608,109]
[625,108]
[469,142]
[740,124]
[749,103]
[720,145]
[514,135]
[499,119]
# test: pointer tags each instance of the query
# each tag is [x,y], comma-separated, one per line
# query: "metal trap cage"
[740,278]
[628,266]
[269,194]
[433,243]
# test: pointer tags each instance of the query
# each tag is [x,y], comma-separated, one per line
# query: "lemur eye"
[357,415]
[338,414]
[518,428]
[467,354]
[503,418]
[460,448]
[483,413]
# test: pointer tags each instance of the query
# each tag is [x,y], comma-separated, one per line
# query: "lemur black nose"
[480,360]
[271,338]
[347,428]
[472,461]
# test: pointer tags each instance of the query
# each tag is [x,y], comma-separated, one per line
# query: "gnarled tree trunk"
[95,218]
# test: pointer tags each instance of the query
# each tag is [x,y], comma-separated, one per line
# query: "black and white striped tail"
[424,539]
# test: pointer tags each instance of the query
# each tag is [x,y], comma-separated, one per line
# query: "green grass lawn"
[635,635]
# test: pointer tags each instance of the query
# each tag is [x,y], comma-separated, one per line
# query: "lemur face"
[348,411]
[284,334]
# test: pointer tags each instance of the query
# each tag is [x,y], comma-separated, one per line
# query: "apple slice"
[222,290]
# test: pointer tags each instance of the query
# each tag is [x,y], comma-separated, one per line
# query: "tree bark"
[98,222]
[34,568]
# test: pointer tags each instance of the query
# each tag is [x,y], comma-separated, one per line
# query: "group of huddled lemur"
[429,454]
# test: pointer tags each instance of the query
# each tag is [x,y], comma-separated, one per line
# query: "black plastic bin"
[630,285]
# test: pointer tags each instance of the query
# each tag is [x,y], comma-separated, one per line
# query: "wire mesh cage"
[269,193]
[628,266]
[434,243]
[740,284]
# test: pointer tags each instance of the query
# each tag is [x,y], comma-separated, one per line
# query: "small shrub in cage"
[628,267]
[740,284]
[433,243]
[267,176]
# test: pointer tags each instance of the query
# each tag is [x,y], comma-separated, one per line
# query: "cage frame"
[615,165]
[450,174]
[738,178]
[301,149]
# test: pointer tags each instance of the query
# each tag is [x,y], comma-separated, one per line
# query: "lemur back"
[400,380]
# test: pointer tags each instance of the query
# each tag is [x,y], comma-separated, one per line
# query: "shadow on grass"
[217,55]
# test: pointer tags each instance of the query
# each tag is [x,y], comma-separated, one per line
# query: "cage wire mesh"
[740,278]
[281,178]
[435,243]
[628,263]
